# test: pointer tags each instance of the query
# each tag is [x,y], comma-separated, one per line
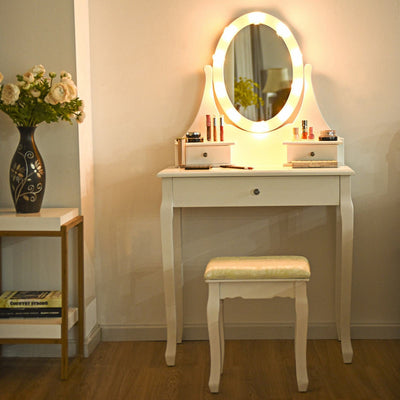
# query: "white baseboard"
[375,331]
[122,333]
[117,333]
[92,340]
[52,350]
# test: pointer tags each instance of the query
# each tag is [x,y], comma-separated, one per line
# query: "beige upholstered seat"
[256,278]
[268,267]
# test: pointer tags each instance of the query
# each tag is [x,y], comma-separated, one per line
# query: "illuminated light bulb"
[256,17]
[219,88]
[260,126]
[297,86]
[296,56]
[285,113]
[282,30]
[219,58]
[229,33]
[233,115]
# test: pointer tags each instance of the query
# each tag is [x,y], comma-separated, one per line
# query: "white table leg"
[213,313]
[344,266]
[338,294]
[178,273]
[167,242]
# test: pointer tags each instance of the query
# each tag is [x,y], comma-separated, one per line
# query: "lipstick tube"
[208,121]
[215,129]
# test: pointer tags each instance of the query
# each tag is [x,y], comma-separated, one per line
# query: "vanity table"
[220,187]
[259,143]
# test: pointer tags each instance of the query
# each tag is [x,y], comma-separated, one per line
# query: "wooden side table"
[50,222]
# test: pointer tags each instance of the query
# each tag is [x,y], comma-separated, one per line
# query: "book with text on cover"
[31,299]
[21,312]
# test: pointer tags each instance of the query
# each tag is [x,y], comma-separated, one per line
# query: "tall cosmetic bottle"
[208,120]
[304,132]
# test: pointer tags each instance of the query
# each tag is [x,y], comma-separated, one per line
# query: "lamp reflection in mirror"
[277,90]
[218,72]
[282,30]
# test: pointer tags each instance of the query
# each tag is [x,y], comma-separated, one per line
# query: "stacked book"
[30,304]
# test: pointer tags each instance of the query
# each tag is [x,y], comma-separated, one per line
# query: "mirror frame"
[297,72]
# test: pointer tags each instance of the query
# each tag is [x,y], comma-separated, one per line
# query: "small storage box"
[207,153]
[312,150]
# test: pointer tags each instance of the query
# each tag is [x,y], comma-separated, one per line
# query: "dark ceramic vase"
[27,174]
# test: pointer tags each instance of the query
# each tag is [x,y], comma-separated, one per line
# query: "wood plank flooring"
[254,369]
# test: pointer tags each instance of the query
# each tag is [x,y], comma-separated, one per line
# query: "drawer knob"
[205,154]
[256,191]
[312,154]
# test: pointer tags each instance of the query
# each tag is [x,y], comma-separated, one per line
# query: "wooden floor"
[257,369]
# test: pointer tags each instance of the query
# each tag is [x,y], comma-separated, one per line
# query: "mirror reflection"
[258,72]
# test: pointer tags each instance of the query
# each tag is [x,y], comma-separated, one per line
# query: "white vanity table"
[266,185]
[220,187]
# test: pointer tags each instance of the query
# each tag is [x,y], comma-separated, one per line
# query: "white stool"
[256,278]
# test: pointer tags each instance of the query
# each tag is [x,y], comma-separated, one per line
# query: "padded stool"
[256,278]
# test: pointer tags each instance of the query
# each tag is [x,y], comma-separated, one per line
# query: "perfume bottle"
[304,133]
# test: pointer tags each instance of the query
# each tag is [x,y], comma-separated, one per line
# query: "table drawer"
[255,191]
[308,150]
[215,154]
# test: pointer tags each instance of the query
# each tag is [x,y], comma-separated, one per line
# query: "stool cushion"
[266,267]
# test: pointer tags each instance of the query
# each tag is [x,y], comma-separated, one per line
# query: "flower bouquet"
[37,98]
[33,99]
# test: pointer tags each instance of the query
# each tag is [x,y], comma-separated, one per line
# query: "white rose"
[72,90]
[65,74]
[10,94]
[35,93]
[58,94]
[38,69]
[80,118]
[50,100]
[1,77]
[28,77]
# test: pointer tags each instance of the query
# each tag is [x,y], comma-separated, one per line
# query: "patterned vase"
[27,174]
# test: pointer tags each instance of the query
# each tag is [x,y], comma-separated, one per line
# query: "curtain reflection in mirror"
[252,59]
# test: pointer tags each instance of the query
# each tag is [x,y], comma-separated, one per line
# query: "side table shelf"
[35,328]
[50,222]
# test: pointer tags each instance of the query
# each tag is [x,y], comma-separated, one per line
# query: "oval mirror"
[258,72]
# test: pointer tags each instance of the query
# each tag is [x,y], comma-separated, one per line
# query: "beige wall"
[147,60]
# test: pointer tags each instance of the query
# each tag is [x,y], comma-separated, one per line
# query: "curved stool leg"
[221,334]
[213,310]
[300,340]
